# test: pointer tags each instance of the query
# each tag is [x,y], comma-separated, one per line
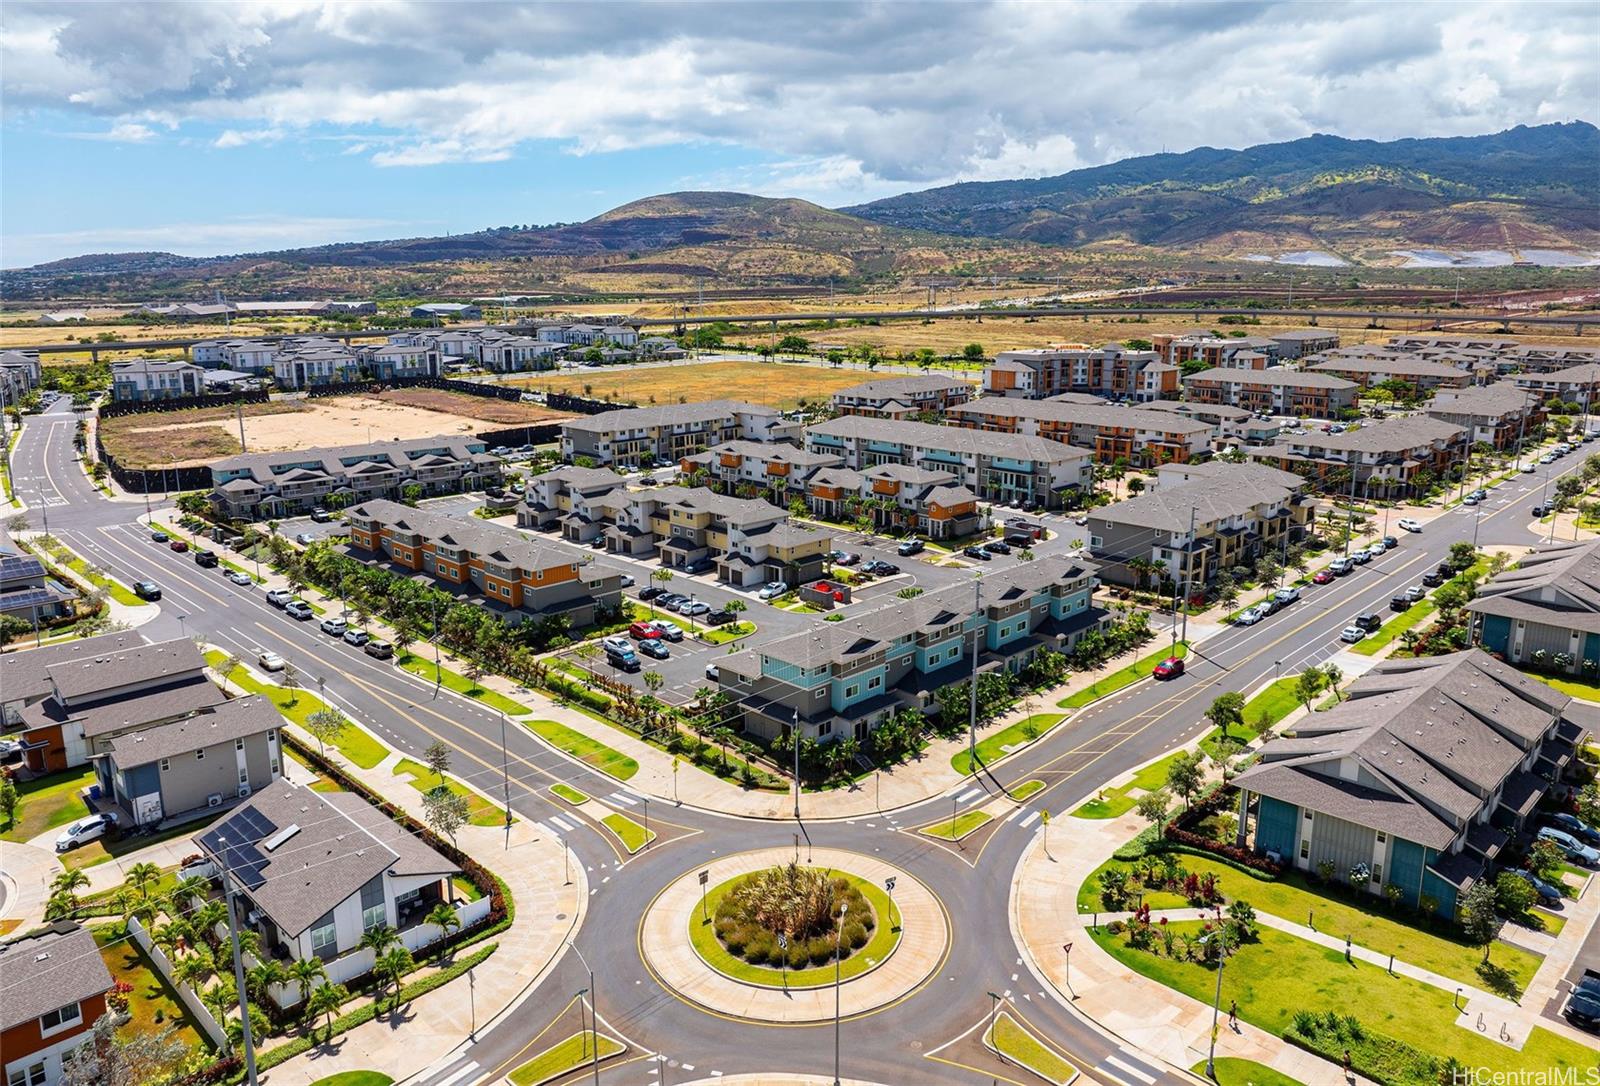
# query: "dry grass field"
[176,438]
[456,405]
[779,384]
[33,336]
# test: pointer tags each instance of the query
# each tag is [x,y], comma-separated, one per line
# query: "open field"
[776,383]
[35,335]
[458,405]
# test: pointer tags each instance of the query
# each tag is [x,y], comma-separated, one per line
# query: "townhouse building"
[1113,371]
[505,353]
[1543,358]
[1546,611]
[53,986]
[997,467]
[1396,457]
[1418,779]
[590,335]
[1501,414]
[748,541]
[516,576]
[1128,433]
[1217,352]
[254,486]
[20,374]
[1276,391]
[1299,342]
[666,434]
[1423,376]
[148,379]
[843,679]
[309,361]
[747,469]
[27,590]
[1199,520]
[565,498]
[1228,424]
[1575,384]
[902,397]
[897,497]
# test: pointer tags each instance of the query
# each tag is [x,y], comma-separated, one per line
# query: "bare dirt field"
[779,384]
[504,412]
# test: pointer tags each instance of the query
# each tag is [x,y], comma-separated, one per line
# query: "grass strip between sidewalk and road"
[570,794]
[993,748]
[612,763]
[99,579]
[1260,713]
[1113,802]
[480,812]
[1233,1071]
[1117,680]
[451,680]
[297,705]
[1392,629]
[632,835]
[568,1055]
[1017,1043]
[954,829]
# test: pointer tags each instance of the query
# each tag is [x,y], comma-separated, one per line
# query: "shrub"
[800,954]
[855,935]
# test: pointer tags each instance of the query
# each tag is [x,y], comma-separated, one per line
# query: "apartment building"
[1128,433]
[1112,370]
[1218,352]
[902,397]
[1418,779]
[747,541]
[1228,424]
[590,335]
[997,467]
[309,361]
[1543,358]
[1299,342]
[1545,610]
[1386,458]
[897,497]
[750,468]
[27,590]
[666,434]
[1575,384]
[53,986]
[1197,521]
[1423,376]
[147,379]
[842,679]
[391,361]
[566,498]
[505,353]
[245,355]
[1275,391]
[518,577]
[254,486]
[20,373]
[1500,414]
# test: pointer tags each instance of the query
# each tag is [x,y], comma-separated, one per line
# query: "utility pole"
[239,410]
[1188,570]
[1350,521]
[972,712]
[838,931]
[238,964]
[505,776]
[794,741]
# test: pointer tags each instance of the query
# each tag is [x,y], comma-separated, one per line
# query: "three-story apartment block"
[567,498]
[747,541]
[147,379]
[1277,390]
[897,497]
[1500,415]
[901,397]
[1134,435]
[1380,459]
[748,468]
[653,435]
[1423,376]
[1112,370]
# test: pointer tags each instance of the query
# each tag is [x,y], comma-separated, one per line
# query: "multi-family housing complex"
[1277,390]
[897,497]
[1228,424]
[146,379]
[1423,376]
[590,335]
[1575,384]
[644,435]
[517,576]
[1113,371]
[996,467]
[564,497]
[252,486]
[1416,780]
[844,678]
[1225,352]
[901,397]
[1381,458]
[1500,414]
[53,986]
[748,468]
[20,373]
[1546,611]
[1128,433]
[27,590]
[1197,521]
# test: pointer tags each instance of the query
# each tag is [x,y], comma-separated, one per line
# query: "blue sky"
[226,127]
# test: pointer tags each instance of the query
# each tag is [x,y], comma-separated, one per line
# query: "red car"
[178,545]
[1322,577]
[643,631]
[1170,668]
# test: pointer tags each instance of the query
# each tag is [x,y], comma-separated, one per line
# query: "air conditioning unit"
[214,799]
[244,791]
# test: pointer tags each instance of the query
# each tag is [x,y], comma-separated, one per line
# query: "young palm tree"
[186,888]
[380,939]
[220,998]
[264,976]
[143,876]
[391,965]
[305,973]
[207,917]
[63,905]
[326,999]
[173,937]
[196,967]
[446,919]
[70,881]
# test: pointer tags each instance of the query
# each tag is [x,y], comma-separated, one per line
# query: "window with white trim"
[61,1016]
[166,764]
[852,690]
[27,1076]
[324,936]
[199,755]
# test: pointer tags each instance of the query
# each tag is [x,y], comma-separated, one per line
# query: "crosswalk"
[1124,1068]
[624,799]
[457,1075]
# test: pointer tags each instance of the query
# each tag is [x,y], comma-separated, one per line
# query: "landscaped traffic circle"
[755,935]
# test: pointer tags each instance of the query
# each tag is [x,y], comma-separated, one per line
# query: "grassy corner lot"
[589,751]
[450,680]
[1117,680]
[954,829]
[882,943]
[1014,736]
[632,835]
[1115,802]
[480,812]
[567,1055]
[48,802]
[1233,1071]
[352,742]
[1018,1044]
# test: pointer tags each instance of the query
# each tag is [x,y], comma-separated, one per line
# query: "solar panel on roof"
[25,597]
[234,843]
[19,566]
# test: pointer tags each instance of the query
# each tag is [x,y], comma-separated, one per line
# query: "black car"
[651,592]
[1583,1010]
[1369,621]
[147,590]
[717,618]
[977,552]
[1446,570]
[880,568]
[1399,603]
[997,547]
[206,559]
[1433,578]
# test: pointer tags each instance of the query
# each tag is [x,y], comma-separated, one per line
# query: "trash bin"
[94,793]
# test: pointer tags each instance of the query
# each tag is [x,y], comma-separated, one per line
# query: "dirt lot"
[199,436]
[776,383]
[504,412]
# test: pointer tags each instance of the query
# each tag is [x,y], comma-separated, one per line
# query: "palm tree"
[207,917]
[446,919]
[220,998]
[393,964]
[380,939]
[1333,674]
[266,974]
[142,876]
[304,973]
[187,887]
[69,881]
[326,999]
[173,937]
[63,904]
[196,967]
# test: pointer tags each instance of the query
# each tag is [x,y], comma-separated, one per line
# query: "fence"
[582,405]
[191,1002]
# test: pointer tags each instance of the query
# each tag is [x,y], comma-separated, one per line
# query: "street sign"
[705,876]
[888,884]
[783,941]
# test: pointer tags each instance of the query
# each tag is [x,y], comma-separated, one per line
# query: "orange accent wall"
[1000,380]
[23,1040]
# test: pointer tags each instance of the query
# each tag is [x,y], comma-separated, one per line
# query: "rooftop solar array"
[235,843]
[19,565]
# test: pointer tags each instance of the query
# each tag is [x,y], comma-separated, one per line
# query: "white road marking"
[1032,816]
[563,824]
[460,1074]
[968,794]
[1114,1062]
[620,798]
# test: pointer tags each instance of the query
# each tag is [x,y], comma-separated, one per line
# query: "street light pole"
[794,741]
[505,776]
[994,1007]
[595,1013]
[238,963]
[1216,1009]
[972,716]
[844,908]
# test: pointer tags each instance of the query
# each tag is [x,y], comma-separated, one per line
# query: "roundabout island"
[755,935]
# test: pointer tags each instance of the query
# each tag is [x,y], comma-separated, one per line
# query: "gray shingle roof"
[505,546]
[626,418]
[1388,436]
[1273,375]
[25,674]
[895,387]
[1229,490]
[1500,398]
[84,675]
[43,972]
[950,438]
[1402,366]
[1079,414]
[330,460]
[223,723]
[1558,586]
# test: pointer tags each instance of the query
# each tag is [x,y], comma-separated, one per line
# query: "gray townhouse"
[776,470]
[1423,376]
[1574,384]
[1500,415]
[561,498]
[902,397]
[1132,434]
[666,434]
[147,379]
[1381,458]
[310,361]
[1546,611]
[20,374]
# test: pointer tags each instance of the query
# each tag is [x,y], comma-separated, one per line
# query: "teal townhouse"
[1006,468]
[1419,779]
[842,679]
[1545,613]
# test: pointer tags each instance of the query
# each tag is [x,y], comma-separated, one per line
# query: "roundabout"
[703,941]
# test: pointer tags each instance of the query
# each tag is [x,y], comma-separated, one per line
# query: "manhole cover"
[561,916]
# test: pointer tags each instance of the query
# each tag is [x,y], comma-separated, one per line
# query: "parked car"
[1360,557]
[1287,594]
[334,626]
[1389,542]
[1528,468]
[158,537]
[177,546]
[279,597]
[206,559]
[1377,550]
[147,590]
[321,515]
[712,674]
[1541,509]
[1270,606]
[1170,668]
[1399,603]
[976,552]
[1577,827]
[298,609]
[1583,1010]
[669,630]
[1340,566]
[240,578]
[356,637]
[1369,621]
[1081,519]
[1409,525]
[628,581]
[997,546]
[270,661]
[1574,848]
[670,600]
[625,659]
[378,650]
[1433,578]
[1322,576]
[772,590]
[1548,895]
[694,607]
[655,648]
[718,618]
[845,558]
[880,568]
[1416,593]
[1352,634]
[618,642]
[643,631]
[1471,499]
[304,538]
[1248,617]
[86,829]
[1547,458]
[909,547]
[650,593]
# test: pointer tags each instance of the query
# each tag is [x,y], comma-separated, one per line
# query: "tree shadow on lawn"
[1498,980]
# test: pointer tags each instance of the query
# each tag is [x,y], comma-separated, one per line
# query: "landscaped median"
[480,812]
[591,752]
[576,1051]
[450,680]
[632,835]
[957,826]
[1114,802]
[1011,1039]
[1117,680]
[1007,740]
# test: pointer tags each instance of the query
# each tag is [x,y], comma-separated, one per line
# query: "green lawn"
[1260,712]
[1026,789]
[480,811]
[152,1005]
[1394,628]
[1232,1071]
[880,944]
[733,631]
[1279,974]
[48,802]
[632,835]
[1373,926]
[558,1059]
[450,680]
[993,748]
[1014,1041]
[355,1078]
[1119,801]
[113,587]
[1129,675]
[591,751]
[570,794]
[354,743]
[1570,686]
[954,829]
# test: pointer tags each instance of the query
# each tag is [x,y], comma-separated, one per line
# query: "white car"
[84,830]
[1287,595]
[270,661]
[695,607]
[1548,458]
[334,626]
[1377,550]
[669,630]
[1409,525]
[620,644]
[1352,634]
[1248,617]
[773,589]
[1528,469]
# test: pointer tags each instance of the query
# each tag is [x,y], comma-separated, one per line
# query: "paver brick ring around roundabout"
[868,982]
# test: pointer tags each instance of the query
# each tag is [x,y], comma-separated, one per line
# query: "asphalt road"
[973,882]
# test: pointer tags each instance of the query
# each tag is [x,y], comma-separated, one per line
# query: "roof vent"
[42,956]
[278,839]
